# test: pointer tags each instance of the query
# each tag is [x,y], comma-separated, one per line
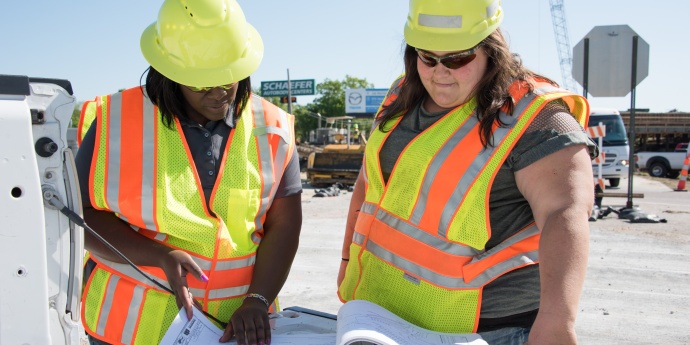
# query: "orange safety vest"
[418,246]
[143,171]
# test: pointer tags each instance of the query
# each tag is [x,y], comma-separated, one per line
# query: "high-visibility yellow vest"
[418,246]
[143,171]
[86,117]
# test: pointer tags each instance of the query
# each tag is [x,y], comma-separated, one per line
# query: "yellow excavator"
[337,162]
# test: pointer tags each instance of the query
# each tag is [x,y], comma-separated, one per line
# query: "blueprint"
[363,321]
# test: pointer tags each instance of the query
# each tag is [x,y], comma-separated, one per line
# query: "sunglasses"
[452,61]
[209,88]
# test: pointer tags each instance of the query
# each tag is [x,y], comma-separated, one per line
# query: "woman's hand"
[249,324]
[177,264]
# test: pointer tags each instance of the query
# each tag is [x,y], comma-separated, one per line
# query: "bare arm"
[273,261]
[559,190]
[355,204]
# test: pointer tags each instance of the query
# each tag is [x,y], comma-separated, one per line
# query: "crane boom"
[565,55]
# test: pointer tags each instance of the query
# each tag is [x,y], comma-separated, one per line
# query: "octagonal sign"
[610,60]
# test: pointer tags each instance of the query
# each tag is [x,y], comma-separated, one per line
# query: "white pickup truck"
[662,164]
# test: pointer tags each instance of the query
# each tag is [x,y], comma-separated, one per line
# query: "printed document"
[363,322]
[359,322]
[199,330]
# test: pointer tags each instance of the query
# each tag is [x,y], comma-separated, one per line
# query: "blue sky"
[95,44]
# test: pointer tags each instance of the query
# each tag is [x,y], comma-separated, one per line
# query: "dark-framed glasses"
[209,88]
[452,61]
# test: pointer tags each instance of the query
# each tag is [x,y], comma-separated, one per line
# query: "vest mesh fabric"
[97,281]
[347,287]
[152,326]
[412,300]
[243,198]
[98,196]
[178,179]
[407,179]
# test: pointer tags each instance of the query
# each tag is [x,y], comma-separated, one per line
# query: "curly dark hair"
[503,67]
[166,95]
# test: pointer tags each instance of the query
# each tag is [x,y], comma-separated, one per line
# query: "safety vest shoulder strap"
[86,116]
[391,95]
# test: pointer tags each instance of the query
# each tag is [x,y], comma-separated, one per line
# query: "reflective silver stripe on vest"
[107,304]
[282,151]
[416,270]
[514,262]
[412,231]
[114,136]
[436,164]
[148,164]
[132,315]
[368,208]
[233,264]
[228,292]
[435,21]
[129,271]
[424,237]
[358,238]
[159,235]
[459,282]
[269,172]
[264,162]
[148,169]
[273,130]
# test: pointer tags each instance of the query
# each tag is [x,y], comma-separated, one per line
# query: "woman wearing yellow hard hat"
[471,211]
[195,180]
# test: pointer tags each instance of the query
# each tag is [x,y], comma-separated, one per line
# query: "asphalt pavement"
[637,289]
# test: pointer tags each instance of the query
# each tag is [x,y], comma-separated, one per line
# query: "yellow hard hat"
[451,25]
[202,43]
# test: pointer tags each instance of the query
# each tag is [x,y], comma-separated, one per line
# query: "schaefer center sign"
[280,88]
[363,102]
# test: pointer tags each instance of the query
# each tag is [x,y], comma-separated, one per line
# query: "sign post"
[609,62]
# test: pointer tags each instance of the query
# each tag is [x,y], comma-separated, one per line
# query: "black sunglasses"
[452,61]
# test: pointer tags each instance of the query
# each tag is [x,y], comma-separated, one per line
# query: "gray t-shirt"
[552,129]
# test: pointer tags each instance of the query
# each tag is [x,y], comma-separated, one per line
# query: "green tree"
[331,101]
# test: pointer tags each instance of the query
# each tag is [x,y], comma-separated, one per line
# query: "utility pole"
[289,99]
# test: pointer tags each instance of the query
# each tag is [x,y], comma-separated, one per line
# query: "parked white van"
[615,145]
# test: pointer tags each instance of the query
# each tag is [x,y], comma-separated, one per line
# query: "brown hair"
[491,92]
[166,95]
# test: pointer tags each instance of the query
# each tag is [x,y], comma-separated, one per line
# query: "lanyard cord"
[54,201]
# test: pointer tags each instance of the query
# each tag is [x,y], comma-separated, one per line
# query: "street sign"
[363,102]
[280,88]
[610,60]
